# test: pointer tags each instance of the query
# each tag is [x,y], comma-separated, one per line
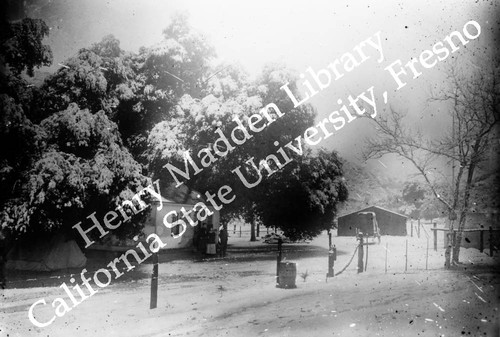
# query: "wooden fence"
[479,238]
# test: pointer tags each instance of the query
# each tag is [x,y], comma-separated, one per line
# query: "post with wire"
[332,256]
[360,253]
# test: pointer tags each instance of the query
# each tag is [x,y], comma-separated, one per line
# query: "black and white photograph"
[249,168]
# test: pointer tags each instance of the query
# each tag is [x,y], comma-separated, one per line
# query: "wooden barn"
[389,222]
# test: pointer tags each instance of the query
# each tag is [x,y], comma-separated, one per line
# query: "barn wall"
[389,223]
[347,225]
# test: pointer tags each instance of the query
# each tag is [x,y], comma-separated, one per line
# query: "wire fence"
[484,239]
[425,250]
[239,231]
[348,263]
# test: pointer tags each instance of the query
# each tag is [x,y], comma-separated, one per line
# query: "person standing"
[223,240]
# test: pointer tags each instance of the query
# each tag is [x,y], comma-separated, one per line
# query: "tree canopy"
[230,95]
[302,198]
[88,137]
[22,47]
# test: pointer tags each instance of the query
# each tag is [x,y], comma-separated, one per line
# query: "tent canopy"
[46,255]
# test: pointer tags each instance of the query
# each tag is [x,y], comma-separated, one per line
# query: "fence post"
[154,283]
[240,231]
[366,258]
[435,237]
[411,227]
[332,256]
[360,254]
[481,241]
[491,241]
[427,254]
[278,258]
[406,256]
[386,250]
[418,229]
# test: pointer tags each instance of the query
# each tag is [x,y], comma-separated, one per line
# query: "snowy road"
[237,296]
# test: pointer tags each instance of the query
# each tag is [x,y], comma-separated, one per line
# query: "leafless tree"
[474,107]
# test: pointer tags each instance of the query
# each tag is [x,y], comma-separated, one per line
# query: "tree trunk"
[252,230]
[447,252]
[258,229]
[463,213]
[456,246]
[459,234]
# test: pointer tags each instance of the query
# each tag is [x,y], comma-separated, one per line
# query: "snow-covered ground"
[237,296]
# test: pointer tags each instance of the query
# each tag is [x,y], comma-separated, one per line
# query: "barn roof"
[366,208]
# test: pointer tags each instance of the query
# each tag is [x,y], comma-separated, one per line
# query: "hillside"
[370,188]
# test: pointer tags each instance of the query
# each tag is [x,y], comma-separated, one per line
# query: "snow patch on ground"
[237,296]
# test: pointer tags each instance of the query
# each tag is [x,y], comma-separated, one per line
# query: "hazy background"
[300,34]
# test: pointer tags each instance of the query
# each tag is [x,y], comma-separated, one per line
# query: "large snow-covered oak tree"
[107,118]
[80,138]
[228,95]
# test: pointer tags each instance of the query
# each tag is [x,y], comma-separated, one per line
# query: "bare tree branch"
[474,108]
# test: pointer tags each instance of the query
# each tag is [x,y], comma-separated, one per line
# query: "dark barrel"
[287,274]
